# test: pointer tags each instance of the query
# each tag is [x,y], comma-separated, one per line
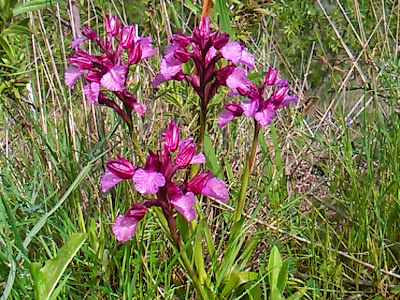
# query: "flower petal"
[108,180]
[114,79]
[247,59]
[265,116]
[147,47]
[211,54]
[232,51]
[250,107]
[140,108]
[169,67]
[185,205]
[76,42]
[238,79]
[71,75]
[288,100]
[159,79]
[148,182]
[92,91]
[124,228]
[225,117]
[198,159]
[217,189]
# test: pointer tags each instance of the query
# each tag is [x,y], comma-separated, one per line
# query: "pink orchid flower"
[157,177]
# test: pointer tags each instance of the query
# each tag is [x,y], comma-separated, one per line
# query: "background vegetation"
[327,186]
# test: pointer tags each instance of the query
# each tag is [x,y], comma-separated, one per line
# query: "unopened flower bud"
[171,140]
[235,109]
[280,93]
[81,62]
[89,33]
[185,155]
[127,36]
[112,25]
[220,41]
[137,211]
[198,182]
[182,55]
[270,77]
[135,53]
[121,167]
[180,39]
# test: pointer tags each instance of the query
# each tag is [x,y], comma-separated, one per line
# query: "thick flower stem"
[245,179]
[177,241]
[138,150]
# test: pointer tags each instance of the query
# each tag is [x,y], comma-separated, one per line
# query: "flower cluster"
[205,49]
[109,71]
[157,177]
[260,108]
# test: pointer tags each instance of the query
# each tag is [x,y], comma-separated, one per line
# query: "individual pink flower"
[116,171]
[158,179]
[125,225]
[260,108]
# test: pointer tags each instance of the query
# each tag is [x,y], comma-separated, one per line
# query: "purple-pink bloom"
[185,205]
[110,68]
[125,225]
[216,188]
[258,107]
[116,171]
[205,49]
[159,178]
[148,181]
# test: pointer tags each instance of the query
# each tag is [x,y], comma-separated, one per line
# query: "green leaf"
[223,12]
[194,9]
[211,158]
[283,275]
[236,279]
[46,278]
[17,29]
[7,48]
[274,267]
[29,6]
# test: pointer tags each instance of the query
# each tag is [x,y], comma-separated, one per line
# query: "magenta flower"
[157,177]
[260,108]
[108,71]
[205,49]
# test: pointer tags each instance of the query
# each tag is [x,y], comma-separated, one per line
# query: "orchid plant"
[216,60]
[161,180]
[262,109]
[106,74]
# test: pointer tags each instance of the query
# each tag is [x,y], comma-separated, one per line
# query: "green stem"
[138,150]
[186,262]
[245,179]
[200,140]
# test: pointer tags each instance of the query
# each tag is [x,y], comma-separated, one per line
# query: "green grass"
[330,189]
